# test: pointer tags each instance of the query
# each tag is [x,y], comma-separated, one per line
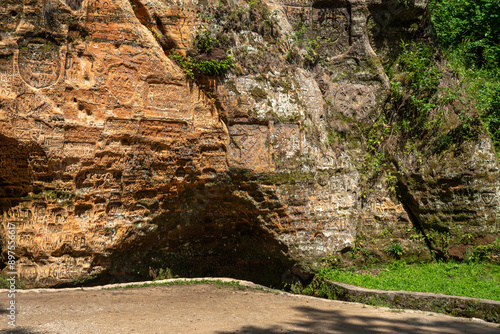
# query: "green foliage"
[316,47]
[392,182]
[204,41]
[416,100]
[185,64]
[492,115]
[483,87]
[419,81]
[470,33]
[484,252]
[396,250]
[213,67]
[217,35]
[472,26]
[406,3]
[5,284]
[478,280]
[318,288]
[194,67]
[376,162]
[302,39]
[414,234]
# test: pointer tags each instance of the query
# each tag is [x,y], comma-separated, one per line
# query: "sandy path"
[204,308]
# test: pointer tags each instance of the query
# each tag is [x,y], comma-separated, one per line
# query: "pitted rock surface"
[114,161]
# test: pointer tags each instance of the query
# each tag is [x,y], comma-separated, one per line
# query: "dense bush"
[469,31]
[473,25]
[492,116]
[211,67]
[414,83]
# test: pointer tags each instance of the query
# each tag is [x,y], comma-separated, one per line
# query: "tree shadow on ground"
[19,330]
[323,322]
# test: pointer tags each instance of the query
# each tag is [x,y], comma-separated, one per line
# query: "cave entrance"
[204,232]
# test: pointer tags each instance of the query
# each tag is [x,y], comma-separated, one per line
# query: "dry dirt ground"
[209,308]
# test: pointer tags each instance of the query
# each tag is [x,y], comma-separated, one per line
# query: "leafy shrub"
[492,116]
[485,252]
[414,83]
[396,250]
[211,67]
[472,25]
[470,33]
[422,75]
[204,41]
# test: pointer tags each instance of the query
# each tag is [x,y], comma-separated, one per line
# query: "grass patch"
[477,280]
[5,284]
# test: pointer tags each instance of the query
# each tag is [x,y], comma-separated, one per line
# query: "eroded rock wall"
[115,161]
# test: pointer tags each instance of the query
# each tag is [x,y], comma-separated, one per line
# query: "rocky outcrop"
[118,159]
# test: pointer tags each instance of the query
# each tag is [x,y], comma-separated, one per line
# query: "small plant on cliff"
[204,41]
[396,250]
[484,252]
[194,67]
[209,54]
[213,67]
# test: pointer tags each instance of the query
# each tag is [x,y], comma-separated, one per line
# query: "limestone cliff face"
[115,160]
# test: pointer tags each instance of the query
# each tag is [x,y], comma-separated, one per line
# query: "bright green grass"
[478,280]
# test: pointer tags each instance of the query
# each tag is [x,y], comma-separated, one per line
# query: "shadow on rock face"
[15,172]
[208,233]
[16,175]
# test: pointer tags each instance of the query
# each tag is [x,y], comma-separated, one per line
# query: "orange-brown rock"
[113,160]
